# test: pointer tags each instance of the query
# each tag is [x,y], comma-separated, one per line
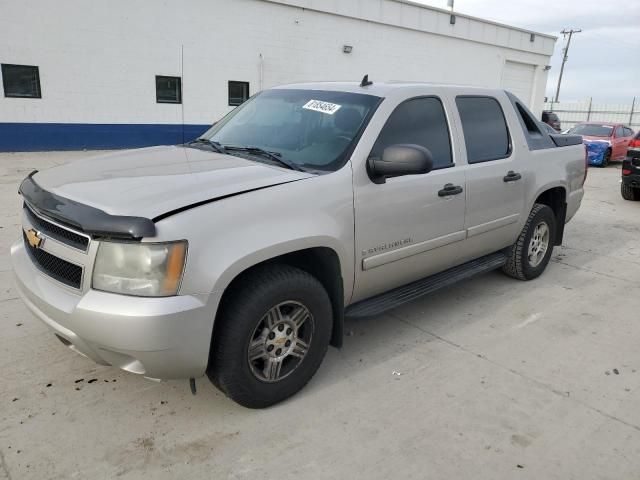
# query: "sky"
[604,59]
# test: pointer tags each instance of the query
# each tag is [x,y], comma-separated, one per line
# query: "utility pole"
[565,57]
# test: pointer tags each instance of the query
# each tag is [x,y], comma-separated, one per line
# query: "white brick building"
[97,62]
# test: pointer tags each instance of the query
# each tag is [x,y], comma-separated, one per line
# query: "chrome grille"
[57,231]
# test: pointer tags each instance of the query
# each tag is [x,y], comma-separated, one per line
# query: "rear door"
[495,179]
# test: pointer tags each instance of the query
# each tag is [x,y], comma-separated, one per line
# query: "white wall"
[98,60]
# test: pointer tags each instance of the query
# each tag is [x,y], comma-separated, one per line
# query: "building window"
[238,93]
[168,89]
[21,81]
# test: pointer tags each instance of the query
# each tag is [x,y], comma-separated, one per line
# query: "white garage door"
[518,79]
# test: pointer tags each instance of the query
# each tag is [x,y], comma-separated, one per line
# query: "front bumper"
[163,338]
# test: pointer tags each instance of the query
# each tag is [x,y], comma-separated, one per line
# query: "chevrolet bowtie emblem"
[33,238]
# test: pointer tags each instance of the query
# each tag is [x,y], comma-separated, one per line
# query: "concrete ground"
[489,379]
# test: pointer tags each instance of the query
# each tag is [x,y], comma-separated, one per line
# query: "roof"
[379,89]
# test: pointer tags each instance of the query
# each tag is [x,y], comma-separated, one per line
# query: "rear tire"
[629,193]
[271,335]
[529,256]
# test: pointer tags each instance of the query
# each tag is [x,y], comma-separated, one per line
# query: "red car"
[616,135]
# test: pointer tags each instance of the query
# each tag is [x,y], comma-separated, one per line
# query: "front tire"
[606,159]
[629,193]
[529,256]
[271,335]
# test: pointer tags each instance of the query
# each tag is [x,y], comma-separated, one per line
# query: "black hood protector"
[90,220]
[98,223]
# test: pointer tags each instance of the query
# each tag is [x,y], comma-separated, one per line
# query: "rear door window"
[485,129]
[419,121]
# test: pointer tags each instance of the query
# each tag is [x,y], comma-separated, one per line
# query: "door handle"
[512,176]
[450,189]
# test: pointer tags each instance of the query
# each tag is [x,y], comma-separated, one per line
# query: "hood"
[152,181]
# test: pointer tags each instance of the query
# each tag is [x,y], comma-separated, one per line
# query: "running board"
[406,293]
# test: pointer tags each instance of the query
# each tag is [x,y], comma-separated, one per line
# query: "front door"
[410,226]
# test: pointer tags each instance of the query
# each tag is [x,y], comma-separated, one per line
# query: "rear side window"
[628,132]
[419,121]
[535,133]
[485,129]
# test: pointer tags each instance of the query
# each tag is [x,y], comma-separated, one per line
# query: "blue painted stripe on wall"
[33,137]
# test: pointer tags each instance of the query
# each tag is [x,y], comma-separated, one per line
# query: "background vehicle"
[239,255]
[615,135]
[630,186]
[552,120]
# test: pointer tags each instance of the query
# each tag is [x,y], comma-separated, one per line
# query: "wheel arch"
[555,197]
[322,262]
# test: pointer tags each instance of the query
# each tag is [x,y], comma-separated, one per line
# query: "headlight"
[142,269]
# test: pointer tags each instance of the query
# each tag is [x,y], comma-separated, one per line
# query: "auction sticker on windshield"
[322,107]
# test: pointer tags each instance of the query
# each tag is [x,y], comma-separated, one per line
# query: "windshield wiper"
[274,156]
[218,147]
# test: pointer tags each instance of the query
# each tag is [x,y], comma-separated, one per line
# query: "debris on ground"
[93,380]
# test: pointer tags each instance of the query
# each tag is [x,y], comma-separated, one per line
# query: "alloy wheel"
[280,341]
[538,245]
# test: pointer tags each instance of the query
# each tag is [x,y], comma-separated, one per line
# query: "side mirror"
[398,160]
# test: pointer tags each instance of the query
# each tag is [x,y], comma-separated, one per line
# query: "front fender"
[276,250]
[227,237]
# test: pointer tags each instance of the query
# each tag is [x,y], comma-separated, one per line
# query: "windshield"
[591,130]
[311,129]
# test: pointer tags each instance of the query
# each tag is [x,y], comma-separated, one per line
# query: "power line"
[565,56]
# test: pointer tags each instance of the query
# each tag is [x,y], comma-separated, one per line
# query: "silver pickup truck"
[239,255]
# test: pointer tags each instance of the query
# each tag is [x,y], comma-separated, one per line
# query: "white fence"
[571,113]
